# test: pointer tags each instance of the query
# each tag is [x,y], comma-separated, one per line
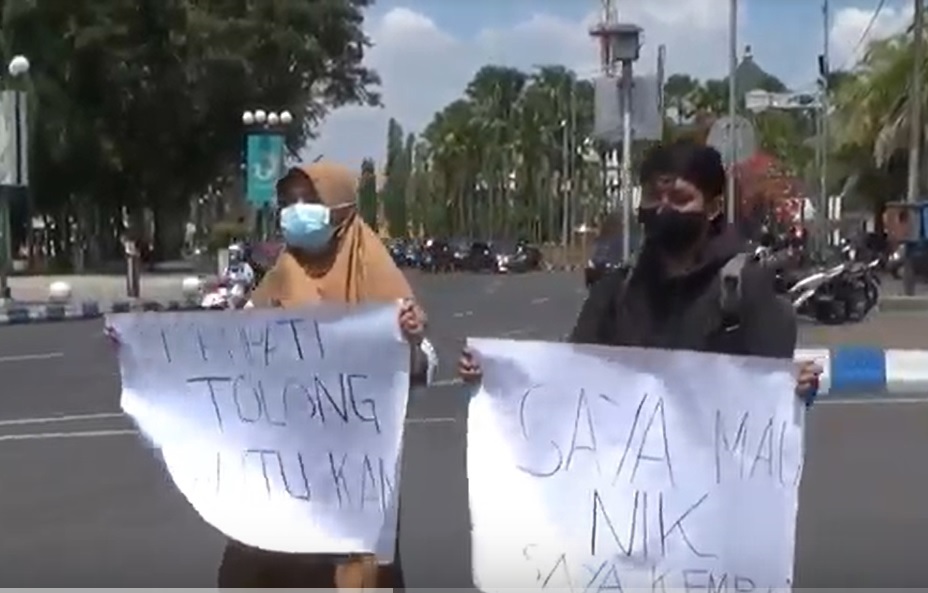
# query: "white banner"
[596,468]
[283,429]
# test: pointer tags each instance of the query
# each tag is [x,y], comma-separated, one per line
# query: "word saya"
[747,449]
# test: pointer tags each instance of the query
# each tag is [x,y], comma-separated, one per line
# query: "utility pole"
[626,175]
[915,132]
[732,104]
[608,19]
[824,67]
[662,107]
[15,173]
[570,154]
[620,43]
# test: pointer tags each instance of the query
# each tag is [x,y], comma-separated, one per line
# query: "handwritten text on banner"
[595,468]
[283,429]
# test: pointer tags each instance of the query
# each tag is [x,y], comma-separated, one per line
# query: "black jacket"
[651,310]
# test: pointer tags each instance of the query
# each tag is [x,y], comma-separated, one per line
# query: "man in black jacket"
[693,286]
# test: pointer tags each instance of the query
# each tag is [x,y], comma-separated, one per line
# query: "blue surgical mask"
[307,226]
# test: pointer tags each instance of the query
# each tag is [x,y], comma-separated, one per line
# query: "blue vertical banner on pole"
[264,157]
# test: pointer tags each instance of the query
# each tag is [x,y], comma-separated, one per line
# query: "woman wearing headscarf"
[331,255]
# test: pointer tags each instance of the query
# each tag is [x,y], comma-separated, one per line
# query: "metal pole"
[626,174]
[6,194]
[611,157]
[915,132]
[562,179]
[133,269]
[567,172]
[814,236]
[20,178]
[662,108]
[732,104]
[823,209]
[574,154]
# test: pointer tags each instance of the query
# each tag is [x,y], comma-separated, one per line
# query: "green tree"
[141,102]
[367,193]
[453,143]
[406,182]
[494,92]
[501,157]
[871,123]
[394,189]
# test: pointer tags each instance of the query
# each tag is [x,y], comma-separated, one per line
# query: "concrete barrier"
[191,287]
[59,292]
[867,370]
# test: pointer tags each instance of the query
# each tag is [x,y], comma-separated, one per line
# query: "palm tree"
[874,103]
[548,107]
[453,141]
[495,92]
[503,153]
[871,122]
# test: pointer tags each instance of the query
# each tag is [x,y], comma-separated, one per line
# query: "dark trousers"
[247,567]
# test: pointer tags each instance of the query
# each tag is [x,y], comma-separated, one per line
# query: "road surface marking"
[42,436]
[441,383]
[90,434]
[53,419]
[540,300]
[515,332]
[29,357]
[463,314]
[493,287]
[872,401]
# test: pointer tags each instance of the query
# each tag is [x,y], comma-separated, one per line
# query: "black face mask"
[670,230]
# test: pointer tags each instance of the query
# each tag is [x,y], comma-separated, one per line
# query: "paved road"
[83,504]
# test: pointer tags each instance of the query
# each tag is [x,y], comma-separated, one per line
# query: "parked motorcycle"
[864,285]
[838,294]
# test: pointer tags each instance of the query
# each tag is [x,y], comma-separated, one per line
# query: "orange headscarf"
[359,269]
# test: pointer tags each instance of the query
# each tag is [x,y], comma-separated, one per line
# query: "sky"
[427,50]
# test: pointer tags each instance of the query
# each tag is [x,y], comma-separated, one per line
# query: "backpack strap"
[730,294]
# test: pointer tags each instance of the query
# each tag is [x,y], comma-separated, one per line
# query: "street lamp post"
[14,167]
[732,106]
[620,45]
[264,161]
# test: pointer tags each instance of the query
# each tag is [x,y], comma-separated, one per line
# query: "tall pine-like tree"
[367,193]
[394,198]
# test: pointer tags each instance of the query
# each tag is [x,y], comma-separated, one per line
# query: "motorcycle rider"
[239,269]
[674,296]
[238,276]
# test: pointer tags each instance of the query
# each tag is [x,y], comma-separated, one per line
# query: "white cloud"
[849,25]
[424,67]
